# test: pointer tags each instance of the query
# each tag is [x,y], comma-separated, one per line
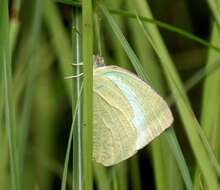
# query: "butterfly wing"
[152,115]
[114,135]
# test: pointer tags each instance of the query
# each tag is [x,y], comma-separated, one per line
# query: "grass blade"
[134,167]
[60,40]
[31,82]
[14,24]
[87,18]
[115,179]
[102,180]
[215,12]
[169,27]
[173,142]
[192,126]
[211,86]
[65,169]
[151,67]
[165,26]
[5,61]
[124,43]
[77,134]
[135,62]
[210,100]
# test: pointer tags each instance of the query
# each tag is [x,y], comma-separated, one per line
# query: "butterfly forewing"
[151,113]
[114,135]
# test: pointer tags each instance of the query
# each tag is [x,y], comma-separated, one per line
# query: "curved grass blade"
[202,135]
[164,172]
[157,22]
[191,124]
[135,62]
[65,169]
[215,11]
[165,26]
[60,39]
[130,53]
[35,28]
[5,61]
[210,101]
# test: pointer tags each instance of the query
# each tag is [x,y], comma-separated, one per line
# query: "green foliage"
[46,121]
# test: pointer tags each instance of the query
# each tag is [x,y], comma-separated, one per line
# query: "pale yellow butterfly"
[128,114]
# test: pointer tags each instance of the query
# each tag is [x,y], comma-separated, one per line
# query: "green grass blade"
[45,108]
[197,77]
[53,166]
[145,52]
[60,40]
[87,18]
[158,164]
[210,100]
[2,92]
[115,179]
[124,43]
[211,88]
[136,178]
[120,56]
[70,2]
[65,169]
[202,73]
[122,172]
[191,124]
[169,27]
[215,11]
[77,134]
[98,45]
[4,180]
[173,142]
[16,6]
[199,130]
[152,69]
[5,62]
[101,178]
[35,28]
[134,62]
[14,24]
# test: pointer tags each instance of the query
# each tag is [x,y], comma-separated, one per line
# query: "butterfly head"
[98,61]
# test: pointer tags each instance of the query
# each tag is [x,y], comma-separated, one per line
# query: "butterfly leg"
[77,64]
[74,76]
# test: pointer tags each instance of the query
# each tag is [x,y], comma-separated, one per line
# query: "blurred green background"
[40,40]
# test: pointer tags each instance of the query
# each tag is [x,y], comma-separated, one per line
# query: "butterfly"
[128,113]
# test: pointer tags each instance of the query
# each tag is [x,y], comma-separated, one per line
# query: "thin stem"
[5,61]
[88,93]
[77,135]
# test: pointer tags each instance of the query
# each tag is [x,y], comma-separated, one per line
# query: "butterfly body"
[128,114]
